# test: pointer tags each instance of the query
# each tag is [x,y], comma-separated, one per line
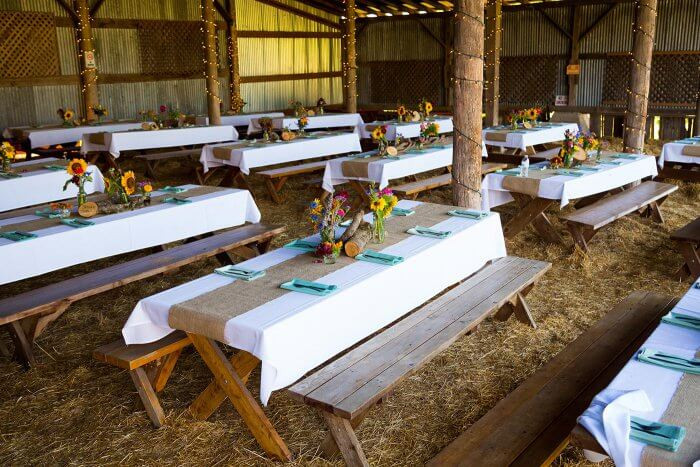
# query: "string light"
[88,76]
[207,26]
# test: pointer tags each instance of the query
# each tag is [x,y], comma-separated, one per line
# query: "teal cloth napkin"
[17,235]
[238,272]
[172,189]
[55,168]
[428,232]
[588,169]
[680,319]
[628,157]
[9,175]
[312,288]
[397,211]
[50,213]
[666,360]
[361,155]
[661,435]
[514,172]
[468,213]
[77,223]
[610,162]
[372,256]
[303,245]
[569,173]
[175,200]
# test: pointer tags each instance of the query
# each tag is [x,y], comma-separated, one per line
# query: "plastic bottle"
[525,166]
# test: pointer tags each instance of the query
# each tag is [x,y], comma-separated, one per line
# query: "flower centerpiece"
[321,106]
[267,129]
[514,117]
[100,111]
[7,154]
[302,123]
[383,147]
[381,203]
[401,112]
[532,115]
[572,151]
[67,117]
[424,108]
[427,131]
[298,107]
[77,169]
[325,216]
[176,119]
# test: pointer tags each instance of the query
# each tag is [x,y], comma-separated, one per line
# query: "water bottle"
[525,166]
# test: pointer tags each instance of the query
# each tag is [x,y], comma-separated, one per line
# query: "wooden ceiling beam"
[96,7]
[73,15]
[600,17]
[551,21]
[223,12]
[299,12]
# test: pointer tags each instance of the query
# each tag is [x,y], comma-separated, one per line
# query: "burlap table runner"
[97,138]
[224,152]
[39,165]
[529,185]
[44,223]
[683,410]
[691,150]
[358,168]
[497,135]
[208,313]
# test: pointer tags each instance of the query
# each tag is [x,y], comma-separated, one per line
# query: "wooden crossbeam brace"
[551,21]
[96,7]
[68,9]
[299,12]
[598,20]
[430,33]
[223,12]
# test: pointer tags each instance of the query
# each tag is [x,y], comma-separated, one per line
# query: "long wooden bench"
[688,242]
[346,389]
[276,178]
[411,190]
[153,159]
[26,316]
[531,426]
[646,197]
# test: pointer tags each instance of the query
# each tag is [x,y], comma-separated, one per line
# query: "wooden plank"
[347,442]
[690,232]
[130,357]
[299,12]
[581,438]
[156,156]
[165,369]
[148,396]
[293,170]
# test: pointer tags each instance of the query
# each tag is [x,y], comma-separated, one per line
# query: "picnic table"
[242,119]
[653,392]
[291,332]
[523,139]
[138,140]
[544,188]
[41,181]
[57,134]
[55,245]
[686,151]
[328,120]
[406,129]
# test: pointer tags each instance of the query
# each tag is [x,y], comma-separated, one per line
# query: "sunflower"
[7,150]
[393,201]
[428,108]
[401,111]
[147,188]
[378,205]
[532,114]
[129,182]
[377,133]
[68,114]
[76,167]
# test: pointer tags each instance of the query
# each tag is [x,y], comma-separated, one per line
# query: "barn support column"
[492,56]
[235,102]
[211,66]
[350,65]
[86,60]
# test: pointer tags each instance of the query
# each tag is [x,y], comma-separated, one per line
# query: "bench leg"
[532,212]
[242,400]
[148,396]
[23,346]
[4,350]
[272,189]
[150,169]
[580,236]
[691,255]
[345,438]
[519,308]
[165,369]
[655,212]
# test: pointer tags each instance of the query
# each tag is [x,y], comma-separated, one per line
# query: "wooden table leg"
[357,186]
[532,212]
[23,346]
[345,438]
[243,401]
[691,255]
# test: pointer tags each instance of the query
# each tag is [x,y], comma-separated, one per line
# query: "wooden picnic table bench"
[688,242]
[153,159]
[276,178]
[532,425]
[25,316]
[345,389]
[412,189]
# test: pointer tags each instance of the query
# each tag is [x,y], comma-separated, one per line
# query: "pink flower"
[343,195]
[163,109]
[341,213]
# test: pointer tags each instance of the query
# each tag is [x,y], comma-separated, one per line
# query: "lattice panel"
[405,82]
[171,47]
[616,79]
[28,45]
[528,80]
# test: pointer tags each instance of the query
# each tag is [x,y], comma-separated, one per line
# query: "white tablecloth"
[296,332]
[406,129]
[529,137]
[51,135]
[266,154]
[657,382]
[672,152]
[166,138]
[315,122]
[62,246]
[238,119]
[566,188]
[42,186]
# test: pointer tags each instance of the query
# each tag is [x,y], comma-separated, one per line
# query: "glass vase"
[330,259]
[378,230]
[6,166]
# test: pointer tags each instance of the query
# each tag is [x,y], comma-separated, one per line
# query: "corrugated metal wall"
[117,52]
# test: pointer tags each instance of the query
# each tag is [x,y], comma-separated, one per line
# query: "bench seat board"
[130,357]
[156,156]
[293,170]
[689,233]
[440,180]
[351,384]
[534,421]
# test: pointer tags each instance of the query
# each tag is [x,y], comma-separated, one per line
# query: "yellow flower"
[377,133]
[147,188]
[393,202]
[129,182]
[532,114]
[378,205]
[428,107]
[7,150]
[76,167]
[68,114]
[338,245]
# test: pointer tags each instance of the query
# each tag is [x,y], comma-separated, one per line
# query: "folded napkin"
[361,155]
[49,213]
[372,256]
[680,319]
[9,175]
[661,435]
[468,213]
[697,285]
[238,272]
[397,211]
[569,173]
[666,360]
[56,168]
[610,162]
[175,200]
[588,169]
[303,245]
[428,232]
[77,223]
[628,157]
[172,189]
[312,288]
[513,172]
[17,235]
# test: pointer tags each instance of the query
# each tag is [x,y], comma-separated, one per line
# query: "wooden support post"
[696,124]
[468,92]
[234,74]
[574,52]
[211,66]
[492,56]
[638,93]
[86,56]
[351,63]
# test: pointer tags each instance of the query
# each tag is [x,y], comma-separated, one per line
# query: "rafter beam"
[73,15]
[551,21]
[598,20]
[222,11]
[299,12]
[96,7]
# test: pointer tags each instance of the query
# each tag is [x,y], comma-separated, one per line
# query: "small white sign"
[561,100]
[90,60]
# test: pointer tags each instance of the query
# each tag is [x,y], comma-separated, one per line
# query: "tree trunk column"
[696,124]
[493,61]
[468,91]
[234,73]
[351,64]
[86,60]
[211,67]
[638,92]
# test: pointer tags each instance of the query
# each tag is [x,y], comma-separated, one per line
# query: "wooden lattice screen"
[28,45]
[406,82]
[170,47]
[528,80]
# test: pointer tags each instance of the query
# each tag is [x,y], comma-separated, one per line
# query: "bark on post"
[351,64]
[468,91]
[211,66]
[696,124]
[574,53]
[493,61]
[234,74]
[638,92]
[88,75]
